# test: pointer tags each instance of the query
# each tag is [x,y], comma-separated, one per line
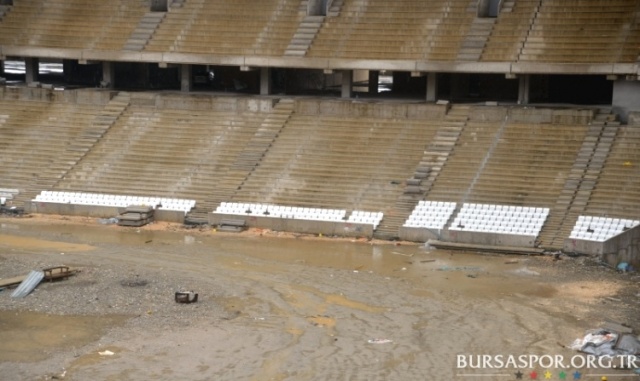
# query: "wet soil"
[275,306]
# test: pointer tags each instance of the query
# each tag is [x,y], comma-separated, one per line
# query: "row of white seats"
[502,219]
[121,201]
[600,229]
[430,214]
[507,208]
[362,217]
[427,204]
[279,211]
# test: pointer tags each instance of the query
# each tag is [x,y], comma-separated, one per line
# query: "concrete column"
[374,78]
[523,89]
[432,87]
[186,83]
[31,69]
[108,75]
[347,83]
[626,98]
[265,81]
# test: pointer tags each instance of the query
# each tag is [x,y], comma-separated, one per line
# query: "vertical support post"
[31,67]
[374,78]
[347,83]
[1,67]
[186,82]
[265,81]
[108,75]
[432,87]
[523,89]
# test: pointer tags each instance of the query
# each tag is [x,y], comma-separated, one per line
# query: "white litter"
[106,353]
[379,341]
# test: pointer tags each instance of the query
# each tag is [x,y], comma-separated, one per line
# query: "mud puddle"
[30,337]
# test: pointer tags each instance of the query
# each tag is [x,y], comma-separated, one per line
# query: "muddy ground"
[276,306]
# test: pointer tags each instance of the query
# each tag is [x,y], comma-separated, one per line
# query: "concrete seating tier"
[430,215]
[241,27]
[350,161]
[586,31]
[167,151]
[600,229]
[281,211]
[527,163]
[363,217]
[401,29]
[121,201]
[509,32]
[81,24]
[34,133]
[617,190]
[458,173]
[502,219]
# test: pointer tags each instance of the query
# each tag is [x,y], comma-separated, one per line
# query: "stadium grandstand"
[421,119]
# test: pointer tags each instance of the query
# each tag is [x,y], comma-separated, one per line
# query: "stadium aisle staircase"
[78,147]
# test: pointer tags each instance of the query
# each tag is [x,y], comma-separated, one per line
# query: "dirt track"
[283,308]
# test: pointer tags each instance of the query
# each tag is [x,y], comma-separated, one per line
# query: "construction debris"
[31,281]
[136,216]
[186,297]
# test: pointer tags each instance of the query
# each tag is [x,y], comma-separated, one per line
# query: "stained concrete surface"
[277,307]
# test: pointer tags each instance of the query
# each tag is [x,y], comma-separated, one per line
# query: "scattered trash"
[106,353]
[186,297]
[603,342]
[379,341]
[403,269]
[427,261]
[472,276]
[28,284]
[511,262]
[59,376]
[406,255]
[624,267]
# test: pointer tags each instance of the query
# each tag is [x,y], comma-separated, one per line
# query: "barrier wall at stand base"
[489,239]
[416,234]
[623,247]
[95,211]
[328,228]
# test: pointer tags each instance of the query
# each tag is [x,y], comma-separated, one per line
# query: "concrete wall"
[581,246]
[82,96]
[369,109]
[624,247]
[95,211]
[418,234]
[626,98]
[488,239]
[207,102]
[328,228]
